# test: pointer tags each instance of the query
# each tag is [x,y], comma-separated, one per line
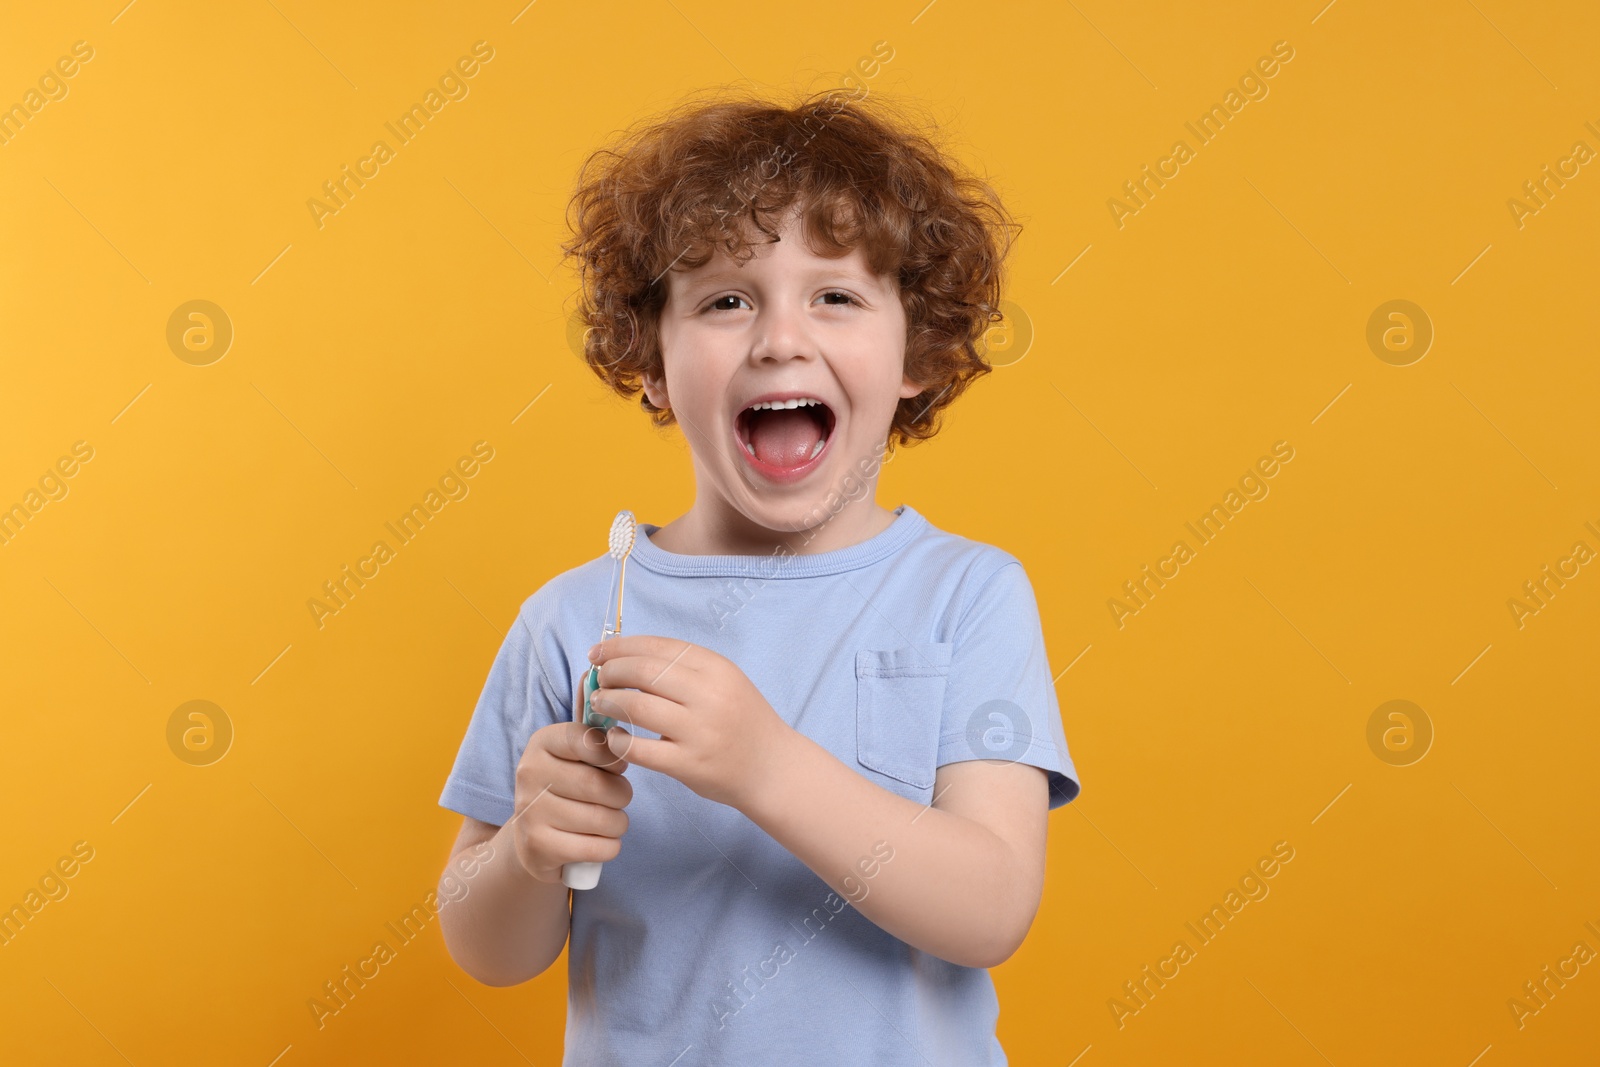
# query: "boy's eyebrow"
[702,277]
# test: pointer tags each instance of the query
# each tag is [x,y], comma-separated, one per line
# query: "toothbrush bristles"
[622,533]
[620,544]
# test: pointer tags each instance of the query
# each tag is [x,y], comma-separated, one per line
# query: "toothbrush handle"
[586,874]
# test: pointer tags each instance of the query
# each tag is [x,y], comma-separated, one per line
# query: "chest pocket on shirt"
[899,703]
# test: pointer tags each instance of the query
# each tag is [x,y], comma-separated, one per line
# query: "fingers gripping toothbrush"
[586,874]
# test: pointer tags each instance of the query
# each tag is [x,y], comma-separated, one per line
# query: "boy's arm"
[501,925]
[963,877]
[966,874]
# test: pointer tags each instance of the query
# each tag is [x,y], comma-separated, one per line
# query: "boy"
[838,736]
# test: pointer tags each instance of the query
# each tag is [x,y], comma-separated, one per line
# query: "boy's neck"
[731,533]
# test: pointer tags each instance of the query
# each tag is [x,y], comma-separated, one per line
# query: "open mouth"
[785,439]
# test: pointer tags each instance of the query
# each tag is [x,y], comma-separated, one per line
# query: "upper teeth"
[775,404]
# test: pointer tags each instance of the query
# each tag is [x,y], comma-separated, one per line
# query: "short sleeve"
[516,700]
[1000,698]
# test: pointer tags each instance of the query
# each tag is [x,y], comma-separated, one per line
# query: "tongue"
[784,438]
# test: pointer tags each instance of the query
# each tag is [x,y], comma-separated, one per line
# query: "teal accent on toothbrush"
[586,874]
[591,682]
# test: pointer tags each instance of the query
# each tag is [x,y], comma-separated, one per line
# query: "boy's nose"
[782,333]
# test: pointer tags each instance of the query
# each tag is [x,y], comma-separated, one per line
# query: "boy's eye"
[717,303]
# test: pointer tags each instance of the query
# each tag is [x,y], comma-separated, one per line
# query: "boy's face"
[791,323]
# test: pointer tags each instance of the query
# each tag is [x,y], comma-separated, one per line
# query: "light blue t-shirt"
[706,942]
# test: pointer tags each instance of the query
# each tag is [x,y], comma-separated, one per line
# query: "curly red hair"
[664,193]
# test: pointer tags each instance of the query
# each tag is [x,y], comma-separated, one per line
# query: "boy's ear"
[656,390]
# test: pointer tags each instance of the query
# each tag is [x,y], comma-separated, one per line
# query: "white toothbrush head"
[622,533]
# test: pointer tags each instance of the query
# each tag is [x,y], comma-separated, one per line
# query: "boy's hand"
[569,797]
[719,736]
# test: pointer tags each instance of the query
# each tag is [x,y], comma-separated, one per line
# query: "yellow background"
[1228,314]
